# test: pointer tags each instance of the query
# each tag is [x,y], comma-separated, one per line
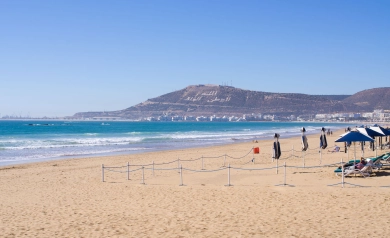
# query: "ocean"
[32,141]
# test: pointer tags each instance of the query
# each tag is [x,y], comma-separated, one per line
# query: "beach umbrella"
[354,136]
[370,133]
[323,142]
[276,147]
[305,145]
[380,129]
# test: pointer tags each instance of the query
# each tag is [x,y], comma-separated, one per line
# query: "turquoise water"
[29,141]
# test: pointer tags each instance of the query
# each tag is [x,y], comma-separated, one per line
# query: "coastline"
[87,144]
[64,198]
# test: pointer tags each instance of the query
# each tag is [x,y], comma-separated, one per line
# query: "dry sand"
[67,198]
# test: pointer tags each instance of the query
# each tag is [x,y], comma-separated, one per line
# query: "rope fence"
[132,168]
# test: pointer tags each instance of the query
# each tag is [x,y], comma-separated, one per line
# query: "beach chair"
[386,158]
[346,165]
[376,162]
[351,170]
[365,171]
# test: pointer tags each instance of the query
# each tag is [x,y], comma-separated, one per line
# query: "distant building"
[106,118]
[202,118]
[165,118]
[190,118]
[177,118]
[151,119]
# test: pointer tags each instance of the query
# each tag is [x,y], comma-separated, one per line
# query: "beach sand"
[67,198]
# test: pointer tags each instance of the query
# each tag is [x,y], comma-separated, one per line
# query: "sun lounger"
[349,168]
[365,171]
[386,157]
[376,162]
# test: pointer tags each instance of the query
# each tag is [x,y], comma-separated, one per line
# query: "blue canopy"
[370,132]
[354,136]
[380,129]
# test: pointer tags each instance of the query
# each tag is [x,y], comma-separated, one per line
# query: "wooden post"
[143,175]
[181,175]
[253,154]
[292,152]
[153,168]
[102,172]
[376,149]
[202,163]
[128,170]
[228,176]
[284,173]
[342,173]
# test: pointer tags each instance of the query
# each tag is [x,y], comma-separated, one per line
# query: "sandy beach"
[67,198]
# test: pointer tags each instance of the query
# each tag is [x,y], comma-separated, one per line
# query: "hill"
[206,100]
[371,99]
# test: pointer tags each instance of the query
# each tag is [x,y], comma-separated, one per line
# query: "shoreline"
[150,150]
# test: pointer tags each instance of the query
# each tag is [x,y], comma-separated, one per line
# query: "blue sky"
[62,57]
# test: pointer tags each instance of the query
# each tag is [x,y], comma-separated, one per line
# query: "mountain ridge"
[207,100]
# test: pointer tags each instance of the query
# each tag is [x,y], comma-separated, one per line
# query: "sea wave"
[63,143]
[27,157]
[96,139]
[90,138]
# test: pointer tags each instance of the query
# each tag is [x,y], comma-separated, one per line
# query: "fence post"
[253,154]
[376,149]
[128,170]
[102,172]
[285,177]
[228,176]
[202,163]
[181,176]
[292,152]
[143,175]
[284,173]
[178,165]
[342,173]
[153,168]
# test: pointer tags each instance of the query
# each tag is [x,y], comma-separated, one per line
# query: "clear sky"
[61,57]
